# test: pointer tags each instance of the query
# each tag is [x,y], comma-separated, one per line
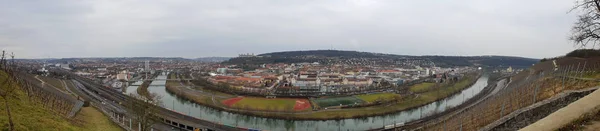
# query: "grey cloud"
[192,28]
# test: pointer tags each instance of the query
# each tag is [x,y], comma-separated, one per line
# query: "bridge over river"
[137,83]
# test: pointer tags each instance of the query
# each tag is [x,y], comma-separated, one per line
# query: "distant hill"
[495,61]
[122,59]
[352,57]
[584,53]
[116,59]
[328,53]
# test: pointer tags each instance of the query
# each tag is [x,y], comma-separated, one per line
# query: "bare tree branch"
[7,87]
[586,31]
[144,109]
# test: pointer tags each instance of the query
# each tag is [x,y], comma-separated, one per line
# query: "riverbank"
[486,92]
[143,89]
[331,114]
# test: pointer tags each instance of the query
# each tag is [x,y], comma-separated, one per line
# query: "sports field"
[374,97]
[276,104]
[337,101]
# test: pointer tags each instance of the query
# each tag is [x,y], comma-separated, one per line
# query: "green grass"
[336,101]
[373,110]
[53,81]
[375,97]
[94,120]
[29,116]
[421,87]
[380,110]
[408,102]
[174,83]
[592,75]
[447,91]
[266,104]
[203,99]
[402,105]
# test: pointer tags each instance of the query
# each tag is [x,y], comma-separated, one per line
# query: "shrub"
[584,53]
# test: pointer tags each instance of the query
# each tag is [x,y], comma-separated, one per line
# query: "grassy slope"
[53,81]
[593,76]
[29,116]
[374,97]
[421,87]
[172,85]
[176,83]
[94,120]
[70,85]
[444,92]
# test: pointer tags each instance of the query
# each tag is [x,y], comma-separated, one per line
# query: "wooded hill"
[338,56]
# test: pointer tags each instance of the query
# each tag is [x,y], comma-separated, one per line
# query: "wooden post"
[582,69]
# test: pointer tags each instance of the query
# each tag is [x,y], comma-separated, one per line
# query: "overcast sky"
[197,28]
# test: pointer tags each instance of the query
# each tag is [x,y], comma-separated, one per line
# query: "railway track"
[172,118]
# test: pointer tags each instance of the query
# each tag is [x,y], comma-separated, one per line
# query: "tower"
[147,66]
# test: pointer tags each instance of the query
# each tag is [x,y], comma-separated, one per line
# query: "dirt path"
[594,126]
[46,84]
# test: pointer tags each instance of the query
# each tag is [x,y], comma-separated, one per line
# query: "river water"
[133,89]
[171,101]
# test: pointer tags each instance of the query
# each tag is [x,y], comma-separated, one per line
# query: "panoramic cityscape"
[357,65]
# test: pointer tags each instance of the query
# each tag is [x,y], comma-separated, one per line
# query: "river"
[133,89]
[171,101]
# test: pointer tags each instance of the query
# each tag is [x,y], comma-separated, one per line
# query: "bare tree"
[144,110]
[7,87]
[587,28]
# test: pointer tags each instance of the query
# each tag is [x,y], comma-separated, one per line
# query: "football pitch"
[337,101]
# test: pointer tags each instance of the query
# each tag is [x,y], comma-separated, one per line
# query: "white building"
[65,66]
[247,55]
[305,82]
[222,70]
[123,76]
